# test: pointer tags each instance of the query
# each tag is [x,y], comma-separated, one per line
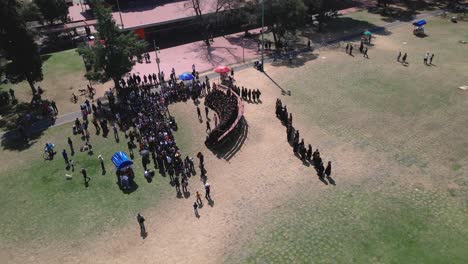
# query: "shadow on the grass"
[230,147]
[13,140]
[405,10]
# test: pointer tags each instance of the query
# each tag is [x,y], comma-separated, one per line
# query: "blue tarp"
[420,23]
[121,160]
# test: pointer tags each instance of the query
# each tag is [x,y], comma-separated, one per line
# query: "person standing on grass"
[116,134]
[85,176]
[399,56]
[12,94]
[199,199]
[101,161]
[70,143]
[65,156]
[430,60]
[207,191]
[141,222]
[54,106]
[328,169]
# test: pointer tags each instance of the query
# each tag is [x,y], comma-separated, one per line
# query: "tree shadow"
[298,59]
[13,140]
[341,29]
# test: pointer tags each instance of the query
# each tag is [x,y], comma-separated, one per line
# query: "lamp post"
[82,10]
[263,24]
[156,49]
[120,14]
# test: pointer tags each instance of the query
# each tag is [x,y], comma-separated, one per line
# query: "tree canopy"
[110,57]
[53,10]
[18,45]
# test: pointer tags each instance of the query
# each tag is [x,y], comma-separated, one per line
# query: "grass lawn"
[416,115]
[38,204]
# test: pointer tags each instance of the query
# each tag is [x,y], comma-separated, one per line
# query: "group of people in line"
[306,154]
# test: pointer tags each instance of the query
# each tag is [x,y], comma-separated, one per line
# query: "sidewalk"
[182,57]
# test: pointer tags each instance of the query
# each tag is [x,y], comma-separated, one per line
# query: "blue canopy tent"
[121,160]
[420,23]
[186,76]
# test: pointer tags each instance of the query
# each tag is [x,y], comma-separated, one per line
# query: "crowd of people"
[225,104]
[306,154]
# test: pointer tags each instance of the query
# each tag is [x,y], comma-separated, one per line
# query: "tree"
[29,11]
[111,55]
[17,42]
[53,10]
[285,16]
[210,22]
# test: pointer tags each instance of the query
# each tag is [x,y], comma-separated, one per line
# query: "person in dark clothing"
[207,191]
[201,158]
[177,184]
[347,47]
[309,153]
[199,113]
[320,170]
[70,143]
[54,106]
[295,146]
[365,53]
[195,209]
[290,119]
[208,127]
[85,176]
[65,156]
[405,56]
[12,94]
[141,222]
[328,169]
[431,58]
[361,47]
[351,50]
[206,111]
[116,134]
[101,161]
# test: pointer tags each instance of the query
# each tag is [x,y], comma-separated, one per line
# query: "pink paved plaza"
[231,49]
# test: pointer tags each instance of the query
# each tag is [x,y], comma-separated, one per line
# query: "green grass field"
[39,204]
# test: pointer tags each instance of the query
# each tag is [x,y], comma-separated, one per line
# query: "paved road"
[69,117]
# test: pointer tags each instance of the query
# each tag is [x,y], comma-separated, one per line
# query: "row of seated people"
[226,106]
